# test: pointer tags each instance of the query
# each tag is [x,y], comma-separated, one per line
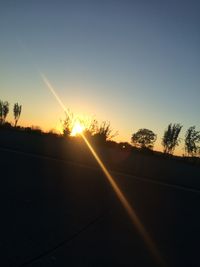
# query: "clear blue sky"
[135,63]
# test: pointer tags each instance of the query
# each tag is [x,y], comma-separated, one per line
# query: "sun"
[77,129]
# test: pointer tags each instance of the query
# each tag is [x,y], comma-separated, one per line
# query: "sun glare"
[77,129]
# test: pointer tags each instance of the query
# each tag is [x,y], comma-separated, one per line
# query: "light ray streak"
[50,87]
[132,214]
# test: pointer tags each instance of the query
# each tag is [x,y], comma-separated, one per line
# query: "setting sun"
[77,129]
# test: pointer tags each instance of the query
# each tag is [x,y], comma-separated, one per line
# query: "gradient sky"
[134,63]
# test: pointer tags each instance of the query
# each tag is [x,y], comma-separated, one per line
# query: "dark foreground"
[55,213]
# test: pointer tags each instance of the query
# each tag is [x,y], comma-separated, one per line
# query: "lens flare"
[132,214]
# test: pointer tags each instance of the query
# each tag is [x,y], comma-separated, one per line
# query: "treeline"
[102,133]
[145,139]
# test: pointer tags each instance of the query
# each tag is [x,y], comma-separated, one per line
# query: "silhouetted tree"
[17,112]
[144,138]
[4,109]
[192,138]
[1,112]
[67,123]
[170,139]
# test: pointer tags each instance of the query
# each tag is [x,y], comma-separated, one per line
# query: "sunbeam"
[132,214]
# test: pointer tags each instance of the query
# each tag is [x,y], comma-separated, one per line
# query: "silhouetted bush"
[6,126]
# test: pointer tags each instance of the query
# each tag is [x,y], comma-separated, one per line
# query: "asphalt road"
[56,213]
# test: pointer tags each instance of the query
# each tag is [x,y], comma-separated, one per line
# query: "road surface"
[57,213]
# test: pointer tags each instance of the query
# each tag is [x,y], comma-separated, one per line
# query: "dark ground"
[55,213]
[150,166]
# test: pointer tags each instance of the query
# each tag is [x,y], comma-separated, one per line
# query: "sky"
[135,63]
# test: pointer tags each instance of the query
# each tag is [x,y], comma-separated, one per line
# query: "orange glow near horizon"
[120,195]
